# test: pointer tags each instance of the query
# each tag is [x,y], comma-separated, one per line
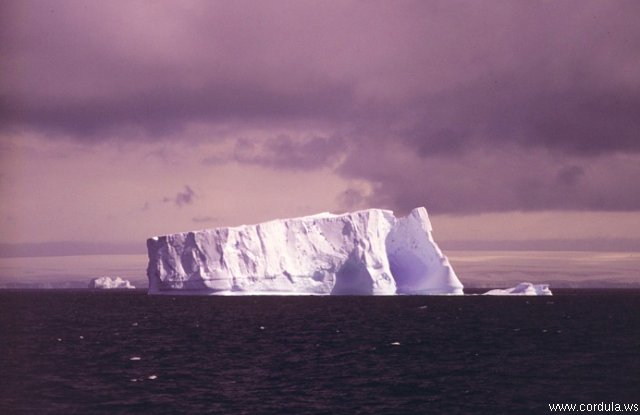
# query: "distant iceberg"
[524,288]
[107,283]
[369,252]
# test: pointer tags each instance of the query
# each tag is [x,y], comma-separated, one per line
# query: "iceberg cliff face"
[370,252]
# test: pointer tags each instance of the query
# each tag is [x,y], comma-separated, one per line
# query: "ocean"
[85,352]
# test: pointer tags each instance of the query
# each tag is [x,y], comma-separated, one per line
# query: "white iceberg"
[108,283]
[524,288]
[370,252]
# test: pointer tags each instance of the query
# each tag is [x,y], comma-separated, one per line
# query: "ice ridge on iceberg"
[369,252]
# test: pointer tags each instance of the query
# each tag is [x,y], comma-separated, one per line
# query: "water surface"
[77,352]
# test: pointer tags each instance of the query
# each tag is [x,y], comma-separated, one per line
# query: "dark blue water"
[69,353]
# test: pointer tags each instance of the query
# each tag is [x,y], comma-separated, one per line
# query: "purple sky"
[508,120]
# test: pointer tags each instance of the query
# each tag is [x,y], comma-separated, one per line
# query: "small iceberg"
[524,288]
[108,283]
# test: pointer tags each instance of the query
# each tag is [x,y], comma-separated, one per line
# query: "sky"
[509,120]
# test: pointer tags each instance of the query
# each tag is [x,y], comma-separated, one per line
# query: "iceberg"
[369,252]
[108,283]
[524,288]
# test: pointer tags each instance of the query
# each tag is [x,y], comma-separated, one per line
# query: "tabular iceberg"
[109,283]
[369,252]
[524,288]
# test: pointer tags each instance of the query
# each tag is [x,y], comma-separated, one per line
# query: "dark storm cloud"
[163,113]
[579,119]
[505,105]
[440,75]
[501,180]
[88,69]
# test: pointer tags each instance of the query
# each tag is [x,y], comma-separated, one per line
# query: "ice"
[524,288]
[369,252]
[110,283]
[417,263]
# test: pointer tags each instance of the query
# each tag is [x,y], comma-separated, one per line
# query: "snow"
[110,283]
[524,288]
[369,252]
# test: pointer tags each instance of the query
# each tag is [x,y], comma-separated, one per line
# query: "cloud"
[164,113]
[185,197]
[441,76]
[203,219]
[284,152]
[465,107]
[501,180]
[351,198]
[582,117]
[570,175]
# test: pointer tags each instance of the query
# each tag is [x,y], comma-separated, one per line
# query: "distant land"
[68,248]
